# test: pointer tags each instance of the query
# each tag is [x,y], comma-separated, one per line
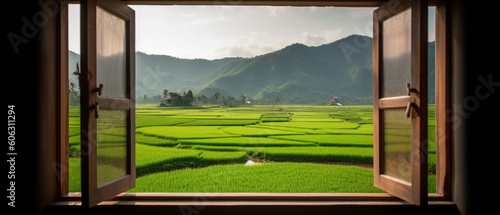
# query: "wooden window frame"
[443,101]
[92,193]
[415,190]
[443,127]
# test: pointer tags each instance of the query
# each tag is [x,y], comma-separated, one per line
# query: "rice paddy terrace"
[290,149]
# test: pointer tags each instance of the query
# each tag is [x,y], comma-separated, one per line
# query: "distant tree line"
[74,89]
[228,101]
[189,99]
[343,99]
[74,94]
[145,99]
[219,99]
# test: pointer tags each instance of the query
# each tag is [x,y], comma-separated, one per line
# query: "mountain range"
[343,67]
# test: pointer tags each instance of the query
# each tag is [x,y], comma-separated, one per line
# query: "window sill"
[75,196]
[255,203]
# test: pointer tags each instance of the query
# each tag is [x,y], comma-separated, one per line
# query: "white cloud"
[361,12]
[223,11]
[275,11]
[256,43]
[316,39]
[259,43]
[198,22]
[248,50]
[313,9]
[223,31]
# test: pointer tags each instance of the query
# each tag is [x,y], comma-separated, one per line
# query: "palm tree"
[189,97]
[165,93]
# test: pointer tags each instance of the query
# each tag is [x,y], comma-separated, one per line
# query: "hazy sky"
[214,32]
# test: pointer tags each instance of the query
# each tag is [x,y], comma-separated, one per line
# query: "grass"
[316,125]
[314,118]
[203,149]
[366,129]
[156,159]
[224,157]
[333,140]
[151,156]
[155,120]
[74,140]
[154,141]
[183,132]
[274,119]
[358,155]
[257,132]
[220,122]
[300,130]
[74,183]
[275,177]
[244,142]
[316,154]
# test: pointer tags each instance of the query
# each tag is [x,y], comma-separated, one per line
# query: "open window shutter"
[400,99]
[107,99]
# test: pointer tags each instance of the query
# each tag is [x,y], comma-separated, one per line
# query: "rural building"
[335,101]
[173,97]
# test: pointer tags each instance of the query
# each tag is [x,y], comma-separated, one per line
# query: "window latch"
[99,90]
[411,104]
[408,109]
[96,106]
[410,90]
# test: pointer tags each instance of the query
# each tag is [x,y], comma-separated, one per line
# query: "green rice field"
[290,149]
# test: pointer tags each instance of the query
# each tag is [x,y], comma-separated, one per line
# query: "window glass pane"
[111,145]
[396,52]
[74,184]
[111,54]
[397,144]
[432,101]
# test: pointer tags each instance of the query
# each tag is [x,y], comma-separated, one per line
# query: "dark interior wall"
[29,30]
[460,160]
[476,95]
[46,164]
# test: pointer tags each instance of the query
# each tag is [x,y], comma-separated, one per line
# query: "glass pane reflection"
[397,144]
[396,52]
[111,145]
[111,54]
